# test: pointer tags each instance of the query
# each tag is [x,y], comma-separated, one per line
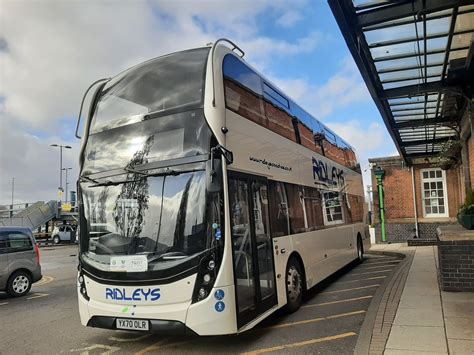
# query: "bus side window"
[277,110]
[313,208]
[279,217]
[295,204]
[243,90]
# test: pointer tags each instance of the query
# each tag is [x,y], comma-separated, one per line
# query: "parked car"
[64,233]
[19,260]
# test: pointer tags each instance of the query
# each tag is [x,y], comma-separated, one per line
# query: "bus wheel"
[360,250]
[294,285]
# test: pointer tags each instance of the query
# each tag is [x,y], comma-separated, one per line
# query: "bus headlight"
[82,287]
[206,276]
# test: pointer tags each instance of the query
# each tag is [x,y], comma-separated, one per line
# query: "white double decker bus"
[208,198]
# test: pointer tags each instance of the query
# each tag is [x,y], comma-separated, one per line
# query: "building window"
[332,208]
[433,185]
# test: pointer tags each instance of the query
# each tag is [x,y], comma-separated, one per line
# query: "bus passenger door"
[254,271]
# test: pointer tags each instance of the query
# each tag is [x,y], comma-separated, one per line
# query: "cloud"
[370,140]
[47,64]
[34,165]
[289,19]
[342,89]
[66,46]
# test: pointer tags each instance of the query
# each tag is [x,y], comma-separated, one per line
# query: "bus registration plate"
[133,324]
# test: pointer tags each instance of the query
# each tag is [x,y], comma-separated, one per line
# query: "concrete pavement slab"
[416,338]
[428,290]
[405,352]
[458,308]
[460,328]
[418,317]
[420,302]
[458,296]
[461,347]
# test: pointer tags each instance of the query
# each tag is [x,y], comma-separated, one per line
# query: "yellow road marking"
[37,295]
[159,345]
[45,280]
[376,267]
[340,301]
[302,343]
[371,272]
[370,278]
[126,340]
[284,325]
[3,304]
[349,289]
[382,262]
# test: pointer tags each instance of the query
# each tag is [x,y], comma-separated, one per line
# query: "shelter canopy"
[416,58]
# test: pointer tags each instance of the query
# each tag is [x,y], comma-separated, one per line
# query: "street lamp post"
[13,192]
[61,163]
[66,169]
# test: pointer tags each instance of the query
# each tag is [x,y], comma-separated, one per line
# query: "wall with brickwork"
[402,232]
[456,261]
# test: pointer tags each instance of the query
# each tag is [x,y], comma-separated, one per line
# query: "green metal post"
[382,209]
[379,173]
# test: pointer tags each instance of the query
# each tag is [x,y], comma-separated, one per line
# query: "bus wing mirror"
[83,101]
[214,175]
[226,153]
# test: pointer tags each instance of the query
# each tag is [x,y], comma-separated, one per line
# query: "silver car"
[19,260]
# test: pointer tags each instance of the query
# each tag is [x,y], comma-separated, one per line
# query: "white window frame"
[325,217]
[445,192]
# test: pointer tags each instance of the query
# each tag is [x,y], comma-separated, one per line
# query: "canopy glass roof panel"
[404,51]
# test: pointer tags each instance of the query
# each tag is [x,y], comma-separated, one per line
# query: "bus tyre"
[19,284]
[360,250]
[294,285]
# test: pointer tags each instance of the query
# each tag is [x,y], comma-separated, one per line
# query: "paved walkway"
[429,320]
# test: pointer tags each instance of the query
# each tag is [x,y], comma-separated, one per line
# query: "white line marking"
[3,304]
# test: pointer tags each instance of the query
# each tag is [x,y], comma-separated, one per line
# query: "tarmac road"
[47,320]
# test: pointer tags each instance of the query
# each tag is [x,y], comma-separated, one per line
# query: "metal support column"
[379,174]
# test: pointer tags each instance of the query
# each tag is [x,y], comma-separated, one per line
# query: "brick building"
[438,193]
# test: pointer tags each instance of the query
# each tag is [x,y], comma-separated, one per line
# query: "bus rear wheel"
[294,285]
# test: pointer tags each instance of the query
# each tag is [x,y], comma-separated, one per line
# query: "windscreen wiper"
[173,255]
[88,179]
[167,172]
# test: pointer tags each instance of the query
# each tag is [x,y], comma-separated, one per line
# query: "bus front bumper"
[166,327]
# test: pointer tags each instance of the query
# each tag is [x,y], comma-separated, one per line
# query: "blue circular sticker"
[220,306]
[214,225]
[219,294]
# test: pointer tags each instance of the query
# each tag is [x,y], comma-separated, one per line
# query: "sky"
[51,51]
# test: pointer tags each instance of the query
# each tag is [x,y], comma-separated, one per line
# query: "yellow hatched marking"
[45,280]
[382,262]
[307,321]
[349,289]
[370,278]
[302,343]
[376,267]
[159,345]
[37,295]
[371,272]
[340,301]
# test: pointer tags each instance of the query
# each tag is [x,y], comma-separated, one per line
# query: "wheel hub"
[20,284]
[294,283]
